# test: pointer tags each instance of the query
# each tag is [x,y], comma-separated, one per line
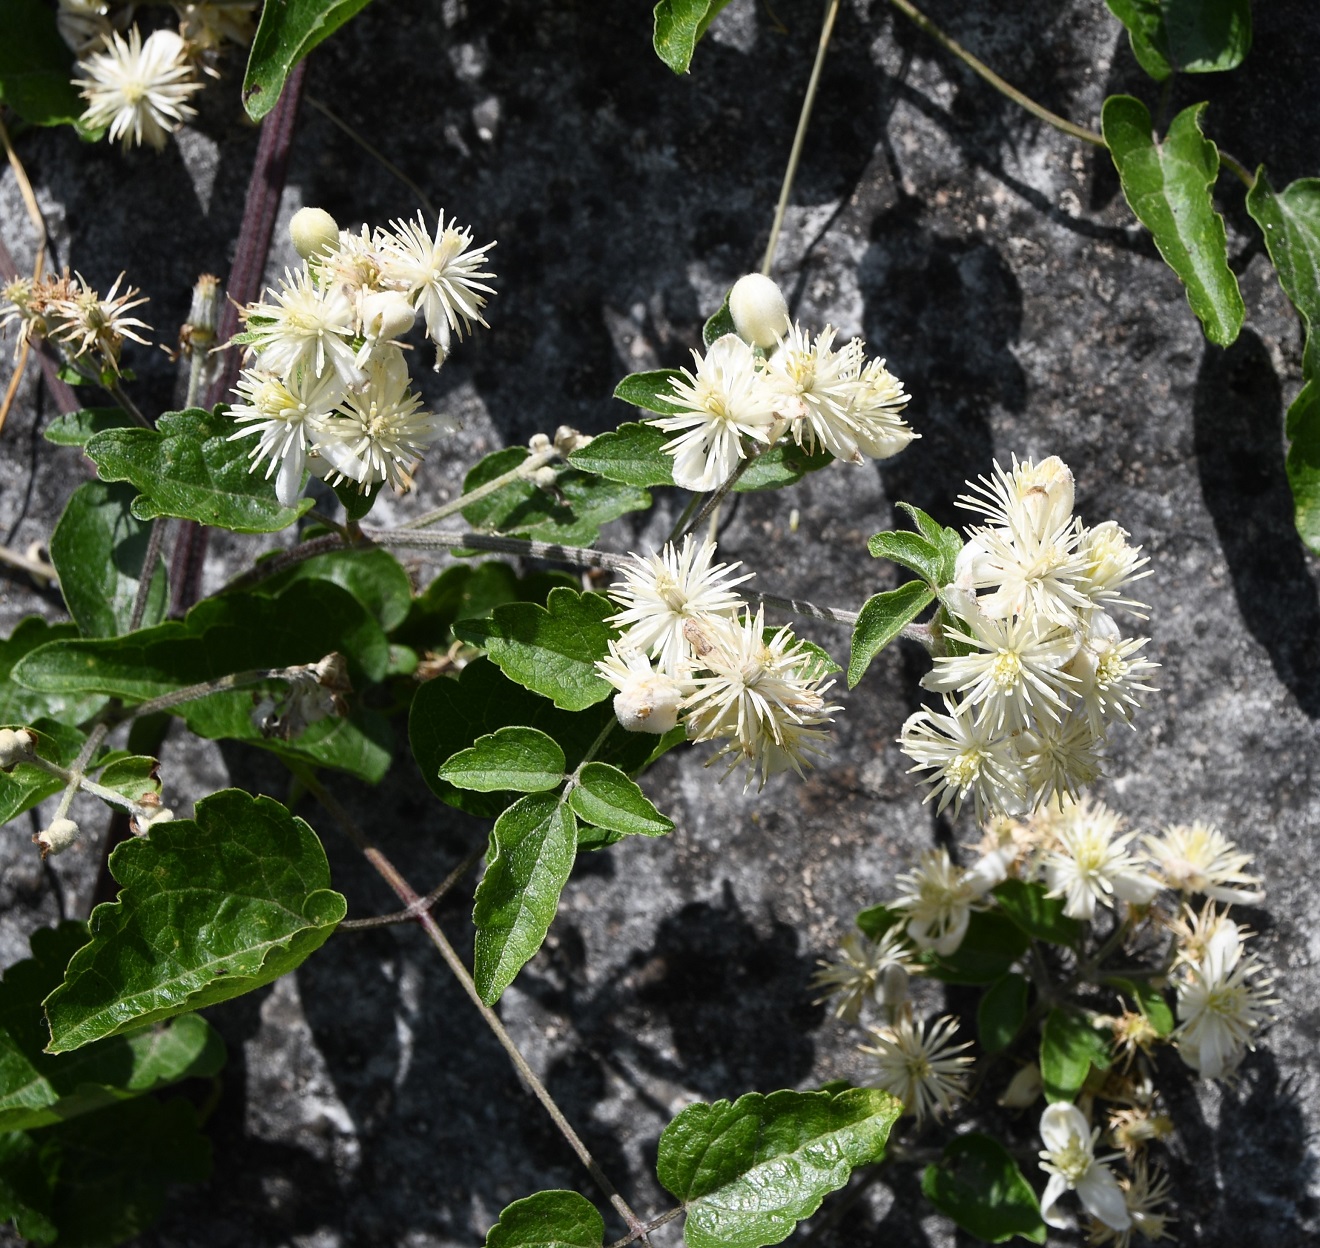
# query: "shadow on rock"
[1237,416]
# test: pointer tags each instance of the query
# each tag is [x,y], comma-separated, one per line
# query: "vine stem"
[652,1225]
[525,469]
[406,894]
[155,538]
[408,914]
[800,136]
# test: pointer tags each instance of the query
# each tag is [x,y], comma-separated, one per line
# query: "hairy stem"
[520,473]
[653,1225]
[155,538]
[423,903]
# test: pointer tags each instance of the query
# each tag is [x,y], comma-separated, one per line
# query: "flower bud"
[545,477]
[568,439]
[386,314]
[149,816]
[649,704]
[538,444]
[1024,1088]
[17,745]
[759,312]
[57,838]
[313,232]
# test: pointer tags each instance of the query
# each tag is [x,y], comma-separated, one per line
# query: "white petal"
[1060,1124]
[1135,887]
[1054,1191]
[1099,1191]
[288,485]
[948,944]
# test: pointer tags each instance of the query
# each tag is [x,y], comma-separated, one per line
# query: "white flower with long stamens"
[286,418]
[306,326]
[1069,1159]
[139,90]
[661,593]
[1058,759]
[83,322]
[1090,863]
[1199,858]
[1193,931]
[865,970]
[1034,499]
[878,398]
[1111,563]
[938,897]
[814,387]
[1013,676]
[1222,999]
[355,265]
[1109,673]
[1145,1194]
[1026,572]
[724,401]
[381,430]
[965,759]
[440,273]
[923,1068]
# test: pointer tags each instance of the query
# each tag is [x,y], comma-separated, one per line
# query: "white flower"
[725,400]
[1069,1159]
[758,309]
[875,970]
[440,273]
[1199,858]
[1033,499]
[138,90]
[647,701]
[1058,759]
[1109,678]
[939,896]
[878,398]
[965,759]
[379,431]
[1110,563]
[1025,572]
[84,24]
[83,322]
[814,387]
[661,593]
[1090,863]
[1222,1000]
[1194,931]
[307,325]
[926,1071]
[1144,1195]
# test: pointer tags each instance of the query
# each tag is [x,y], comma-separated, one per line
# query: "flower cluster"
[328,388]
[1037,669]
[88,328]
[137,90]
[690,647]
[772,380]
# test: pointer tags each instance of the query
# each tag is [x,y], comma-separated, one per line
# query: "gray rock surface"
[993,261]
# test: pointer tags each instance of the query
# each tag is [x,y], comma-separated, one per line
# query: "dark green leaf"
[372,575]
[132,775]
[449,715]
[631,453]
[189,467]
[97,549]
[783,464]
[77,428]
[24,786]
[36,68]
[1168,186]
[875,921]
[1303,463]
[913,551]
[720,321]
[551,650]
[517,760]
[1192,36]
[978,1184]
[209,909]
[356,504]
[605,797]
[1149,1000]
[943,538]
[749,1171]
[992,944]
[37,1088]
[25,706]
[653,391]
[881,619]
[1002,1012]
[25,1197]
[288,31]
[678,26]
[1069,1047]
[1036,914]
[548,1220]
[533,843]
[1290,221]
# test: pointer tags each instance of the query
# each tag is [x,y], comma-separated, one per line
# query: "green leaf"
[133,776]
[749,1171]
[551,650]
[1069,1047]
[979,1185]
[570,514]
[188,467]
[881,619]
[25,706]
[875,921]
[914,552]
[606,798]
[944,539]
[371,574]
[78,428]
[822,662]
[631,454]
[25,1197]
[533,846]
[448,715]
[356,504]
[721,320]
[1290,221]
[209,909]
[548,1220]
[654,392]
[38,1088]
[24,786]
[1149,1000]
[288,31]
[1303,462]
[36,68]
[518,760]
[678,26]
[98,549]
[992,944]
[1168,187]
[1002,1012]
[783,464]
[1191,36]
[1039,916]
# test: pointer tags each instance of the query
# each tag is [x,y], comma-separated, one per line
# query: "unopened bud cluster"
[1039,669]
[692,649]
[738,397]
[328,389]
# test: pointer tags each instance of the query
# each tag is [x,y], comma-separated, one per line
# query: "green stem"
[77,773]
[117,392]
[524,470]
